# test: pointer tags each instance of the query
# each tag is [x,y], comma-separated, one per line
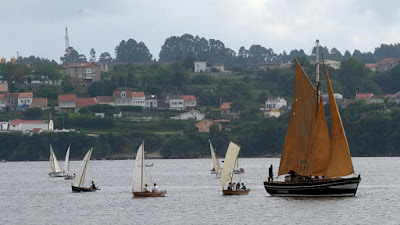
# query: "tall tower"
[67,50]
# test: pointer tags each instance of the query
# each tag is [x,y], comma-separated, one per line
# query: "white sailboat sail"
[236,167]
[214,158]
[139,172]
[230,158]
[54,166]
[66,166]
[80,177]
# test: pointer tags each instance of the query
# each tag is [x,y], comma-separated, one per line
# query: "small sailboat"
[216,169]
[55,169]
[140,178]
[314,161]
[79,182]
[236,168]
[227,171]
[67,176]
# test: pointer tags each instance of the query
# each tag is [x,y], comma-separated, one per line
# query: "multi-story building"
[85,73]
[200,67]
[67,103]
[189,102]
[30,125]
[175,102]
[25,99]
[2,101]
[123,98]
[151,101]
[138,99]
[275,103]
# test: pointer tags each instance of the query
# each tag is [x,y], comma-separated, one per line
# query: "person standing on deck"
[270,174]
[238,186]
[155,189]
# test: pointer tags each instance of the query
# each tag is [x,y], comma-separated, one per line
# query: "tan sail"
[340,163]
[321,143]
[214,158]
[230,158]
[299,136]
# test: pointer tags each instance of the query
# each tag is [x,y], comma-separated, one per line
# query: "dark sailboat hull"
[82,189]
[231,192]
[337,187]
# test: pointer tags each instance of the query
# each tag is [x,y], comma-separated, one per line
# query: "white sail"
[230,158]
[54,166]
[66,166]
[214,158]
[236,166]
[80,177]
[139,172]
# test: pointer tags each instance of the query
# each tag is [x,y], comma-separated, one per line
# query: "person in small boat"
[293,176]
[93,186]
[146,188]
[238,186]
[233,186]
[229,186]
[244,188]
[155,189]
[270,173]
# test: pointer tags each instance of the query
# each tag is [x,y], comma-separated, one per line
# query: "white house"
[175,102]
[29,125]
[122,98]
[275,103]
[25,99]
[189,101]
[194,114]
[200,67]
[151,101]
[219,67]
[138,99]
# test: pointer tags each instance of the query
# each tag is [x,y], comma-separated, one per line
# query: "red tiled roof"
[39,102]
[105,99]
[2,96]
[117,94]
[189,97]
[82,102]
[370,65]
[35,130]
[364,95]
[25,95]
[138,94]
[388,95]
[19,121]
[226,105]
[385,61]
[67,98]
[222,121]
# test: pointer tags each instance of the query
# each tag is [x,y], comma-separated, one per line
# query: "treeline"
[179,48]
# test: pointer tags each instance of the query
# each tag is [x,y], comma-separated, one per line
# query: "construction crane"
[67,50]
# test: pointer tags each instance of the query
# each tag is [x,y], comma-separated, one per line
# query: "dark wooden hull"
[82,189]
[149,194]
[336,187]
[241,192]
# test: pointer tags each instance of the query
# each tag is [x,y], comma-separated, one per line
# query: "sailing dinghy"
[236,168]
[216,169]
[227,171]
[67,176]
[79,182]
[55,169]
[313,162]
[140,178]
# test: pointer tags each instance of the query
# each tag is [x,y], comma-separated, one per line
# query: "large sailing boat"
[315,164]
[79,182]
[140,178]
[216,167]
[55,169]
[67,176]
[227,171]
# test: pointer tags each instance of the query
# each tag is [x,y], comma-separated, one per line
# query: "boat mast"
[141,177]
[317,83]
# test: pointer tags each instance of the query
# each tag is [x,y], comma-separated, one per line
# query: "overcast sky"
[37,27]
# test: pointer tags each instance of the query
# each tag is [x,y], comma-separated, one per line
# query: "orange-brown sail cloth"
[298,141]
[340,163]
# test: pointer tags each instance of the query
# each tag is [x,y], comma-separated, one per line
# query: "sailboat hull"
[69,177]
[231,192]
[149,194]
[82,189]
[338,187]
[56,174]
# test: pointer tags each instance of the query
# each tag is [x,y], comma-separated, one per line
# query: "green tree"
[49,70]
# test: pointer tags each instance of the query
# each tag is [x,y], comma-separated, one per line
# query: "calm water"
[29,196]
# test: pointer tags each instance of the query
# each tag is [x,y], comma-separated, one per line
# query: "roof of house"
[82,102]
[378,97]
[370,65]
[105,99]
[151,96]
[25,95]
[84,64]
[189,97]
[226,105]
[67,98]
[210,122]
[386,61]
[138,94]
[39,102]
[364,95]
[2,96]
[4,87]
[19,121]
[117,94]
[36,130]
